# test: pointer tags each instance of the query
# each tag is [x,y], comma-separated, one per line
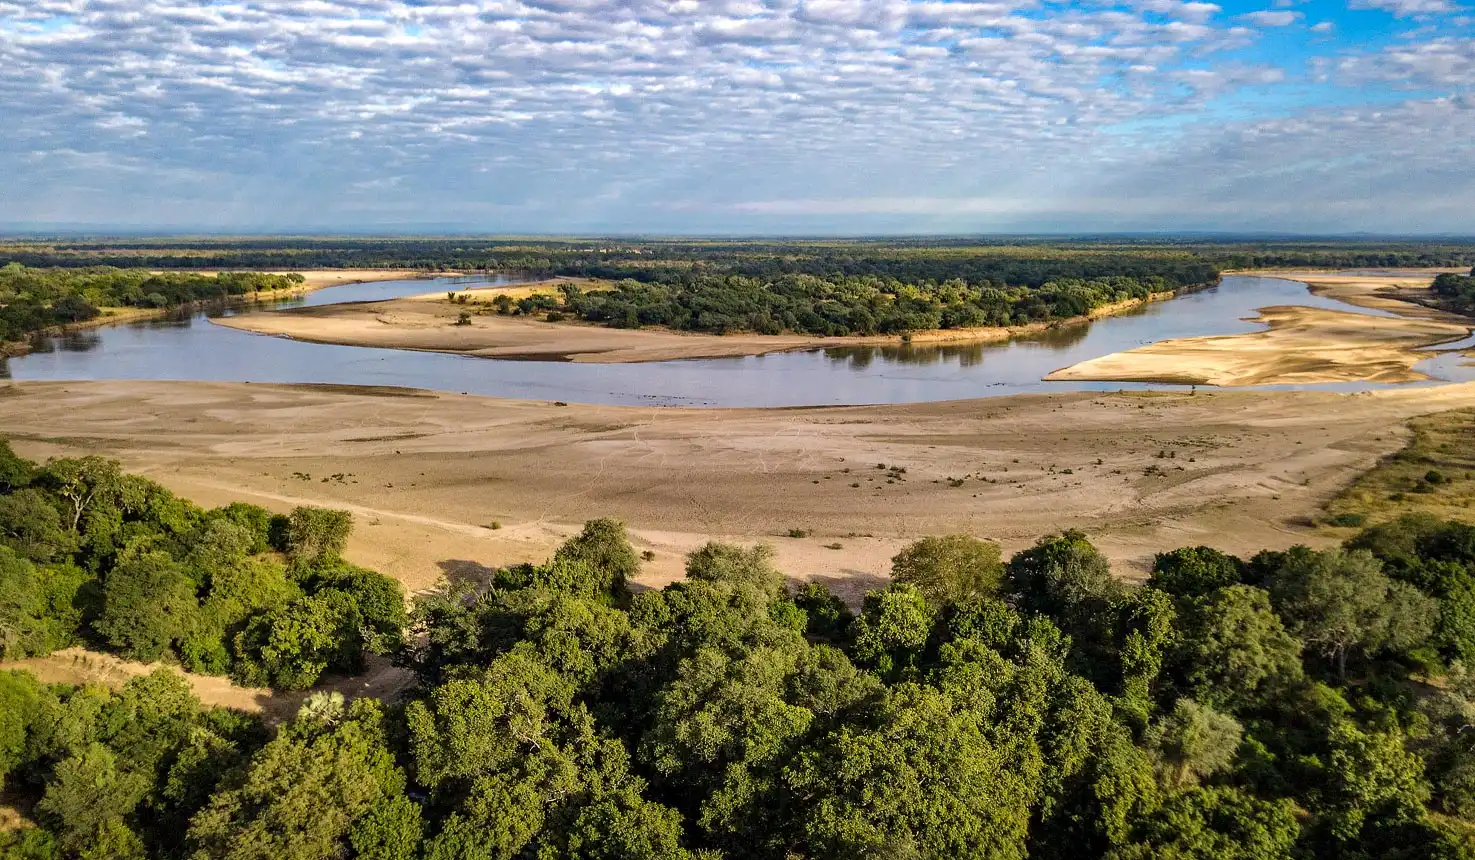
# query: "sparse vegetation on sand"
[1434,474]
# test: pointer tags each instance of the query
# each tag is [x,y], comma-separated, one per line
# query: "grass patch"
[1434,473]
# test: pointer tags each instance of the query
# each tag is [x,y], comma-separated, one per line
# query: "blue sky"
[738,116]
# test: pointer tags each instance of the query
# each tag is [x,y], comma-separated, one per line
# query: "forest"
[1296,704]
[92,555]
[858,305]
[1455,292]
[35,299]
[1016,260]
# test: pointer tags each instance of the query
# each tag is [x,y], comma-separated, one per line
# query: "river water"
[189,347]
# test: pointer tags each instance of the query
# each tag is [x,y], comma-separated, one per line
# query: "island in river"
[433,323]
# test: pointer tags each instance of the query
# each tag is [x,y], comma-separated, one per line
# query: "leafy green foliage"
[951,569]
[34,299]
[1057,714]
[90,553]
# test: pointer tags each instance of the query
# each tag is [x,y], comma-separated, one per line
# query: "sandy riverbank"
[428,323]
[426,474]
[1300,345]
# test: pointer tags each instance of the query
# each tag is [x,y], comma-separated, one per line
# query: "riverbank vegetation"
[35,299]
[1455,292]
[1295,704]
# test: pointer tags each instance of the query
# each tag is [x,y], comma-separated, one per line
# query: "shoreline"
[1300,344]
[121,315]
[417,324]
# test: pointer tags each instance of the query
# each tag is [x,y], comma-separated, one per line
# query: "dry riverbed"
[451,485]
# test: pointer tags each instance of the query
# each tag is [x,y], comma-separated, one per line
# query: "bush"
[1348,520]
[1434,476]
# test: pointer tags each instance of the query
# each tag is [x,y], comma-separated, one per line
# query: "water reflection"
[187,346]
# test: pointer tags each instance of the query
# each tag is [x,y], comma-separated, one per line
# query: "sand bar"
[429,323]
[1300,345]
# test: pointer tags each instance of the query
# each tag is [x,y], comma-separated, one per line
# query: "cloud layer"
[733,115]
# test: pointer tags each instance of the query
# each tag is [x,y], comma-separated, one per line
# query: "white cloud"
[1268,18]
[1406,8]
[551,114]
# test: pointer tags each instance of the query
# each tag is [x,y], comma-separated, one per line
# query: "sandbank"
[1300,345]
[429,323]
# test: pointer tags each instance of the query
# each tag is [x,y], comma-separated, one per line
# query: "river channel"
[189,347]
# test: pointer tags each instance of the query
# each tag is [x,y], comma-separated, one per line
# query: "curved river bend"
[188,347]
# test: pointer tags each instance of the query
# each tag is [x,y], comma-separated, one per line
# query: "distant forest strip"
[1014,260]
[1455,292]
[35,299]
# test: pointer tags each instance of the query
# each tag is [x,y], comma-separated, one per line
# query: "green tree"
[83,484]
[317,536]
[1194,571]
[290,648]
[88,795]
[32,526]
[1340,603]
[21,699]
[16,473]
[1192,742]
[726,563]
[913,742]
[605,546]
[307,794]
[826,617]
[1365,775]
[950,569]
[892,628]
[1219,823]
[1234,651]
[148,603]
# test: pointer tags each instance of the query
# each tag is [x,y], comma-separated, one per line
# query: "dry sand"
[84,666]
[426,474]
[429,323]
[1301,345]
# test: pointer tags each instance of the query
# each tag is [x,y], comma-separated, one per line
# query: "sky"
[738,116]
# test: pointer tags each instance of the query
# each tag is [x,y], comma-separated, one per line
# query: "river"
[188,347]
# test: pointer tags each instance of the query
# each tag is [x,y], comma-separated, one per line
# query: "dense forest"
[1456,292]
[1297,704]
[1016,260]
[860,305]
[36,299]
[92,555]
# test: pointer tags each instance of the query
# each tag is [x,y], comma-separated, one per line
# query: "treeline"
[1016,260]
[1455,292]
[860,305]
[35,299]
[91,555]
[1298,704]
